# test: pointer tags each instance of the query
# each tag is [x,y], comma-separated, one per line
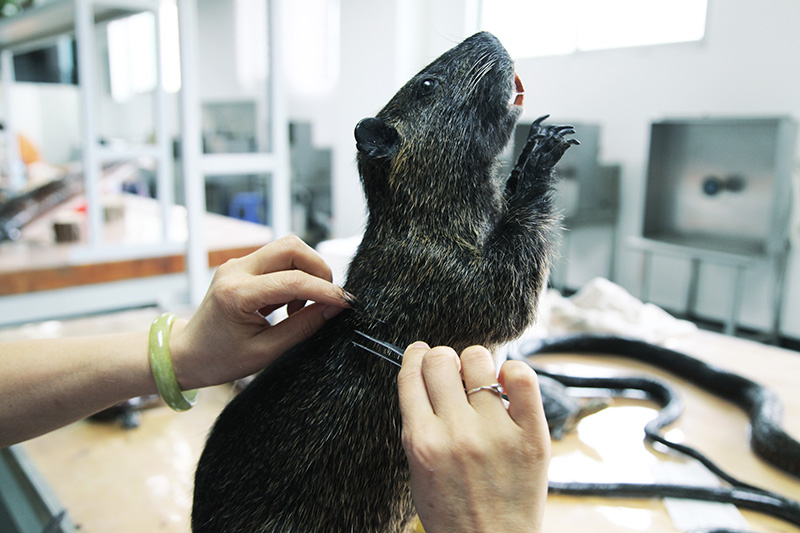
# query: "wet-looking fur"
[452,254]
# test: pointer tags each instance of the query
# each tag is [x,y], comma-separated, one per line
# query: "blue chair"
[247,206]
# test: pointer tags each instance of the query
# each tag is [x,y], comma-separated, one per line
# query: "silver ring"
[494,387]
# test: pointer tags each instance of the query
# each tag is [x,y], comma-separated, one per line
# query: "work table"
[111,479]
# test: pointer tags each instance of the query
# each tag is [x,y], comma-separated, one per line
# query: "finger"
[297,327]
[441,370]
[286,253]
[415,406]
[268,310]
[525,400]
[478,369]
[294,306]
[280,288]
[291,307]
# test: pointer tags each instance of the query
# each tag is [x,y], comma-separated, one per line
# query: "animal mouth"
[519,91]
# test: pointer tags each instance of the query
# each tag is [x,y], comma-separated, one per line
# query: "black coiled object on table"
[768,438]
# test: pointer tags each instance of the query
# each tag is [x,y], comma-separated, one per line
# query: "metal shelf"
[34,26]
[27,504]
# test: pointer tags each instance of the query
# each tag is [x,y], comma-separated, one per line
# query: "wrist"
[180,354]
[163,367]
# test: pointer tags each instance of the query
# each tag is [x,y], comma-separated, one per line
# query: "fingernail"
[347,297]
[419,345]
[458,363]
[331,311]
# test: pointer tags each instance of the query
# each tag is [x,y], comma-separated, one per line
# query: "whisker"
[480,73]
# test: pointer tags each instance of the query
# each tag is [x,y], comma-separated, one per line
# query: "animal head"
[451,120]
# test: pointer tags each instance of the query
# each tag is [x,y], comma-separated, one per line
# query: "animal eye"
[427,86]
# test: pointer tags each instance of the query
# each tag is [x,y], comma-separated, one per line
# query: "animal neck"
[459,207]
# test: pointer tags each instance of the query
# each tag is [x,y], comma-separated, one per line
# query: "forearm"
[50,383]
[46,384]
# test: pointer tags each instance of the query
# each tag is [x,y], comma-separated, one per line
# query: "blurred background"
[680,191]
[146,142]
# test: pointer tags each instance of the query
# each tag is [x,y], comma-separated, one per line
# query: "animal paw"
[544,148]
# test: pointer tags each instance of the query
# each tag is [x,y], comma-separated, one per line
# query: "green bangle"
[161,366]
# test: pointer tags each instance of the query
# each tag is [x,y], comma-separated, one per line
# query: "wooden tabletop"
[112,479]
[36,263]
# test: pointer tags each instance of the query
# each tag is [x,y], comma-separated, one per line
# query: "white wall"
[382,45]
[366,81]
[224,74]
[745,66]
[47,114]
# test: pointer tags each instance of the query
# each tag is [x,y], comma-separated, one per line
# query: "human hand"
[476,465]
[228,337]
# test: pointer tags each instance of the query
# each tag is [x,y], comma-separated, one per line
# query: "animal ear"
[375,138]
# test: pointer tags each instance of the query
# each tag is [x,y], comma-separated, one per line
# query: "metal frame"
[697,256]
[197,165]
[659,238]
[44,24]
[27,504]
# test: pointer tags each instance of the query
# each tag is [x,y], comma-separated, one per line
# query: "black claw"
[539,120]
[543,149]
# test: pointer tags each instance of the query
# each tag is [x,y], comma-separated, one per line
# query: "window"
[132,52]
[531,28]
[311,54]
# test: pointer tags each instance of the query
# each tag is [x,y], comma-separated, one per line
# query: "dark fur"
[452,254]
